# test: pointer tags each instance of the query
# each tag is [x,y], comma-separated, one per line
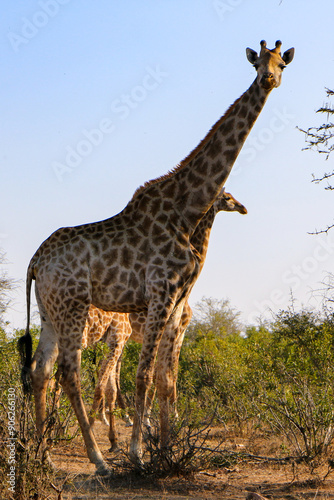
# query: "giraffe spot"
[231,141]
[97,269]
[251,118]
[95,248]
[182,188]
[80,274]
[231,154]
[144,225]
[111,257]
[104,243]
[166,207]
[215,148]
[71,282]
[253,100]
[194,179]
[133,281]
[78,247]
[63,237]
[158,235]
[128,297]
[226,126]
[123,278]
[210,190]
[242,135]
[144,247]
[199,161]
[169,188]
[155,205]
[243,111]
[215,168]
[111,276]
[133,239]
[126,257]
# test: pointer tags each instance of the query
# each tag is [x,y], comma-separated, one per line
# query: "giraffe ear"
[251,55]
[288,55]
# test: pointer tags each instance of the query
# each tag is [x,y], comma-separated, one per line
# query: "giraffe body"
[140,260]
[134,324]
[116,328]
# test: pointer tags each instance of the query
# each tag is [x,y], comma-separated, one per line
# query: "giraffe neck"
[201,235]
[199,178]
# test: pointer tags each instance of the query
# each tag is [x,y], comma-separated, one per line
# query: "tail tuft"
[24,345]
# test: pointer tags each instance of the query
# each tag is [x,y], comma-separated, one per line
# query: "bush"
[296,394]
[279,375]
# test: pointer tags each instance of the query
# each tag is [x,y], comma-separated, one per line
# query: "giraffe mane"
[191,155]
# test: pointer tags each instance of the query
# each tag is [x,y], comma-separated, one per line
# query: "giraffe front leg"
[111,394]
[153,332]
[166,370]
[120,400]
[117,336]
[185,320]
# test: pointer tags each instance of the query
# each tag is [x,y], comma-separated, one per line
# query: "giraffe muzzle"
[267,81]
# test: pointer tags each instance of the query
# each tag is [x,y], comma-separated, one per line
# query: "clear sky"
[99,97]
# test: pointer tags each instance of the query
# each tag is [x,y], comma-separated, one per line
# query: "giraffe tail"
[25,342]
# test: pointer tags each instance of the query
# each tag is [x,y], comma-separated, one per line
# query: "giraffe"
[139,260]
[110,369]
[116,328]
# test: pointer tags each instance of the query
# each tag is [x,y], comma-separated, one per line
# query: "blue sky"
[99,97]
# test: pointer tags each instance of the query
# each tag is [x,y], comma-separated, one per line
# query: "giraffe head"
[228,203]
[269,64]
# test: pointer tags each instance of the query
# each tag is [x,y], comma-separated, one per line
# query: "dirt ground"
[76,476]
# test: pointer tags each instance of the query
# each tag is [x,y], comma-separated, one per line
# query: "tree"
[215,317]
[6,285]
[321,139]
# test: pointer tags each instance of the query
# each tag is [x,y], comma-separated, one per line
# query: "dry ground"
[272,480]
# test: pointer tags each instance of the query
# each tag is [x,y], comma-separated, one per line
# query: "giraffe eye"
[282,66]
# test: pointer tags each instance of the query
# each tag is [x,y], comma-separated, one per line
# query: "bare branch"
[323,230]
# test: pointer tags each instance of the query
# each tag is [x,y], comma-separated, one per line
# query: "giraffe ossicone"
[139,260]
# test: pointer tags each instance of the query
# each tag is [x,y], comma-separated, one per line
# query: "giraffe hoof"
[114,448]
[137,462]
[103,470]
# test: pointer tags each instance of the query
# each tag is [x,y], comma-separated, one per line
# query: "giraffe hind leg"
[69,321]
[69,377]
[41,370]
[120,399]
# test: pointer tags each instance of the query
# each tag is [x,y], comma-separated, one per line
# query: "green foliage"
[7,284]
[212,367]
[91,359]
[215,317]
[129,369]
[281,374]
[10,367]
[297,393]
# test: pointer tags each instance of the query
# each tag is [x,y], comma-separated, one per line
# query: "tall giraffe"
[139,260]
[119,331]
